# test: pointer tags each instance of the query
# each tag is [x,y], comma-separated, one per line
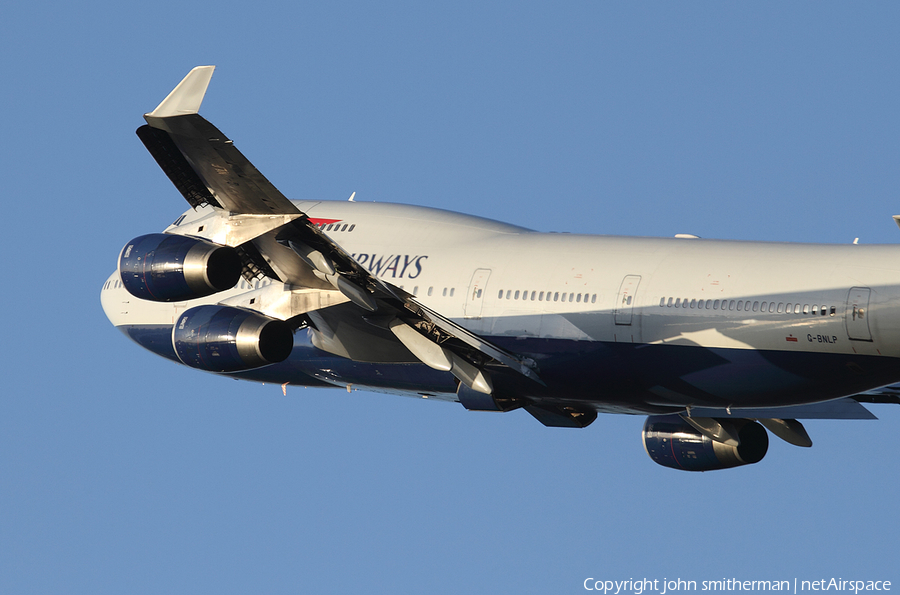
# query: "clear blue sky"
[123,473]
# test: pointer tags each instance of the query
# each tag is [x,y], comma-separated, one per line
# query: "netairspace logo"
[664,586]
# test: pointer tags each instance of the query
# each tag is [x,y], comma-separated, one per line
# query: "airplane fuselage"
[625,324]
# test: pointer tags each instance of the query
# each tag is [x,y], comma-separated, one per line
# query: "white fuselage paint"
[440,251]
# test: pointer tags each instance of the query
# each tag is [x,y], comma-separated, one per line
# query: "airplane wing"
[276,239]
[885,394]
[844,408]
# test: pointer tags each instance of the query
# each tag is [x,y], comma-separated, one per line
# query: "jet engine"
[170,268]
[225,339]
[672,442]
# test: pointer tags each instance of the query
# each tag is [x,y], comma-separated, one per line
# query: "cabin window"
[351,228]
[833,310]
[477,294]
[541,297]
[662,302]
[563,297]
[430,290]
[452,289]
[677,302]
[517,294]
[594,298]
[533,295]
[500,297]
[693,303]
[556,296]
[416,290]
[445,292]
[578,298]
[571,295]
[716,305]
[755,306]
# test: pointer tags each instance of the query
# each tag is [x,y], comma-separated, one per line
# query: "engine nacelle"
[170,268]
[672,442]
[225,339]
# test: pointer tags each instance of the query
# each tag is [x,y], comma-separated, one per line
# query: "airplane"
[718,342]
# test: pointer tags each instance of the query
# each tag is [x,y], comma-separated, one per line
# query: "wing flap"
[176,167]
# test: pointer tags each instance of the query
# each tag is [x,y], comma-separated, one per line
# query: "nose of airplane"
[110,297]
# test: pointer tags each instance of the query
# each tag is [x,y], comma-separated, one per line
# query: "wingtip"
[187,96]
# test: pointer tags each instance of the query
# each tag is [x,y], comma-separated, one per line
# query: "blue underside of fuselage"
[623,377]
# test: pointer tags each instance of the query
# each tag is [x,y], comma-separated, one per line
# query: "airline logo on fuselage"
[395,266]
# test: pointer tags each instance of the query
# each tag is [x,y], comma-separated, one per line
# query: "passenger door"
[857,316]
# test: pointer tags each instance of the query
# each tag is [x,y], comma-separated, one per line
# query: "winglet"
[187,96]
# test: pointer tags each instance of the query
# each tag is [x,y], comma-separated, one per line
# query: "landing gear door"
[475,297]
[857,316]
[625,299]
